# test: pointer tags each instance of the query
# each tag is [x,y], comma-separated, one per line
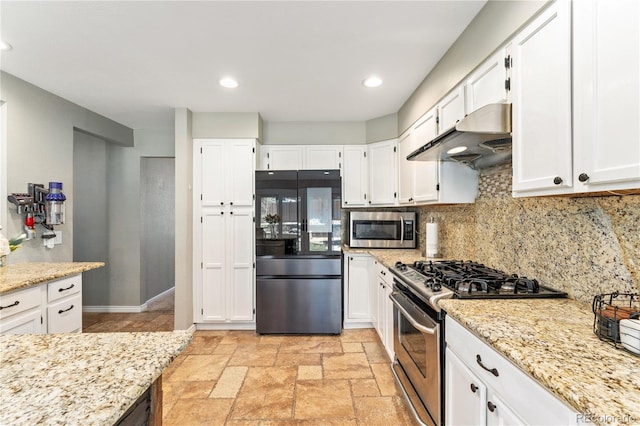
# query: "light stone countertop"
[80,379]
[23,275]
[553,341]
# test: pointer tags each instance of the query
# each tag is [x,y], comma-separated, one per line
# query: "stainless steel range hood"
[485,133]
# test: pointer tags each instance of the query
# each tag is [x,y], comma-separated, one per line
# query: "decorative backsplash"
[581,245]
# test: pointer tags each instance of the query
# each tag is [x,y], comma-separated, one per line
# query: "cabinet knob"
[222,203]
[230,212]
[346,202]
[491,406]
[583,177]
[231,203]
[474,388]
[221,212]
[369,201]
[557,180]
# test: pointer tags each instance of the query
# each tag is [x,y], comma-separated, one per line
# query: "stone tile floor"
[243,378]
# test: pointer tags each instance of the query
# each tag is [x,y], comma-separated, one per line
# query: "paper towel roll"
[432,239]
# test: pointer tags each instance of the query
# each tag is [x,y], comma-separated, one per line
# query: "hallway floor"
[243,378]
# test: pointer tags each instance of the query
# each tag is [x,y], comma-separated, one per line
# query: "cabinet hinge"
[507,84]
[438,187]
[201,265]
[268,155]
[41,320]
[507,62]
[254,219]
[201,219]
[254,311]
[201,311]
[253,150]
[394,195]
[437,120]
[365,154]
[394,149]
[365,196]
[254,197]
[339,165]
[200,150]
[254,265]
[200,197]
[339,154]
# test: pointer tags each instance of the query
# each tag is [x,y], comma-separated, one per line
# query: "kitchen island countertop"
[23,275]
[553,341]
[80,378]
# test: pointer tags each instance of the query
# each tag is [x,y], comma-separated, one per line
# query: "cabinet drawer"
[511,380]
[65,316]
[64,287]
[19,301]
[384,274]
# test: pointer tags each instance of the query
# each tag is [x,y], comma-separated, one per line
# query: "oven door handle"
[403,311]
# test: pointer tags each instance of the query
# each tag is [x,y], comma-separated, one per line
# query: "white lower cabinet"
[484,388]
[47,308]
[384,307]
[357,302]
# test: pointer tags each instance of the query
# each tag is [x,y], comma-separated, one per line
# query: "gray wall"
[226,125]
[382,128]
[493,25]
[314,133]
[157,222]
[40,134]
[90,215]
[184,219]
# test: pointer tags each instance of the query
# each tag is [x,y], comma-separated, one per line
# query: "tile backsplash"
[581,245]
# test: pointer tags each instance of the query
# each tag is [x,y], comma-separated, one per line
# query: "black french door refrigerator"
[298,252]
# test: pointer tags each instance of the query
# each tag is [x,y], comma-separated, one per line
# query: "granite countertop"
[389,257]
[553,341]
[80,378]
[23,275]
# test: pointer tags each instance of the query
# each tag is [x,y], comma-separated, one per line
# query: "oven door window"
[377,230]
[422,348]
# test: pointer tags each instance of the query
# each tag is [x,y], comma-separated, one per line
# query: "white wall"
[314,133]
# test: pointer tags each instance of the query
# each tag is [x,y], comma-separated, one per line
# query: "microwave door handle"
[401,230]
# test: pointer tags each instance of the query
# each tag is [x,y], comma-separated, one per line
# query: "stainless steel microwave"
[382,229]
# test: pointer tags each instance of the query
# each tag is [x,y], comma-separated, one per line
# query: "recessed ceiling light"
[457,150]
[229,83]
[4,45]
[372,81]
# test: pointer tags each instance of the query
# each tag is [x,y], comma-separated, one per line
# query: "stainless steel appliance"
[481,139]
[298,252]
[419,333]
[383,229]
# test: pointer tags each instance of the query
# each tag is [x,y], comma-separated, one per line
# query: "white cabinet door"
[374,284]
[541,95]
[465,395]
[29,322]
[606,89]
[499,413]
[213,268]
[426,172]
[487,83]
[358,304]
[241,274]
[213,174]
[382,172]
[239,168]
[355,176]
[406,169]
[387,307]
[451,109]
[321,157]
[284,157]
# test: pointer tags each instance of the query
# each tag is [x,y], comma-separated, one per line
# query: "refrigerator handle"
[401,230]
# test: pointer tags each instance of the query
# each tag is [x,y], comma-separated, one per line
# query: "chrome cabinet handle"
[61,311]
[493,371]
[413,322]
[16,303]
[60,290]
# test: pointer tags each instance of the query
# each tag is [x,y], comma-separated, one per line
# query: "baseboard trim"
[225,326]
[354,325]
[115,309]
[127,309]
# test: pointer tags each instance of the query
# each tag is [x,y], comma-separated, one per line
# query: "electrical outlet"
[58,239]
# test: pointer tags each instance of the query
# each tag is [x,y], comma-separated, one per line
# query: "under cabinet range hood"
[481,139]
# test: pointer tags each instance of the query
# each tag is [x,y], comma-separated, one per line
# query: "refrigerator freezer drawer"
[299,265]
[299,306]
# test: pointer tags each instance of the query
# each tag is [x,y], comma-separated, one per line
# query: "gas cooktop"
[468,280]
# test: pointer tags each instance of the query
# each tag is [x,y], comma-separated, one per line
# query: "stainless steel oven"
[382,229]
[418,339]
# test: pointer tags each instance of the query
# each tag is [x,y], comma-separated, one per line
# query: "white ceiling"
[135,61]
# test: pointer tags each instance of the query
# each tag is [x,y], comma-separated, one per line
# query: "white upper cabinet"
[451,109]
[606,95]
[425,177]
[406,169]
[541,96]
[226,175]
[355,176]
[322,157]
[486,85]
[383,172]
[281,157]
